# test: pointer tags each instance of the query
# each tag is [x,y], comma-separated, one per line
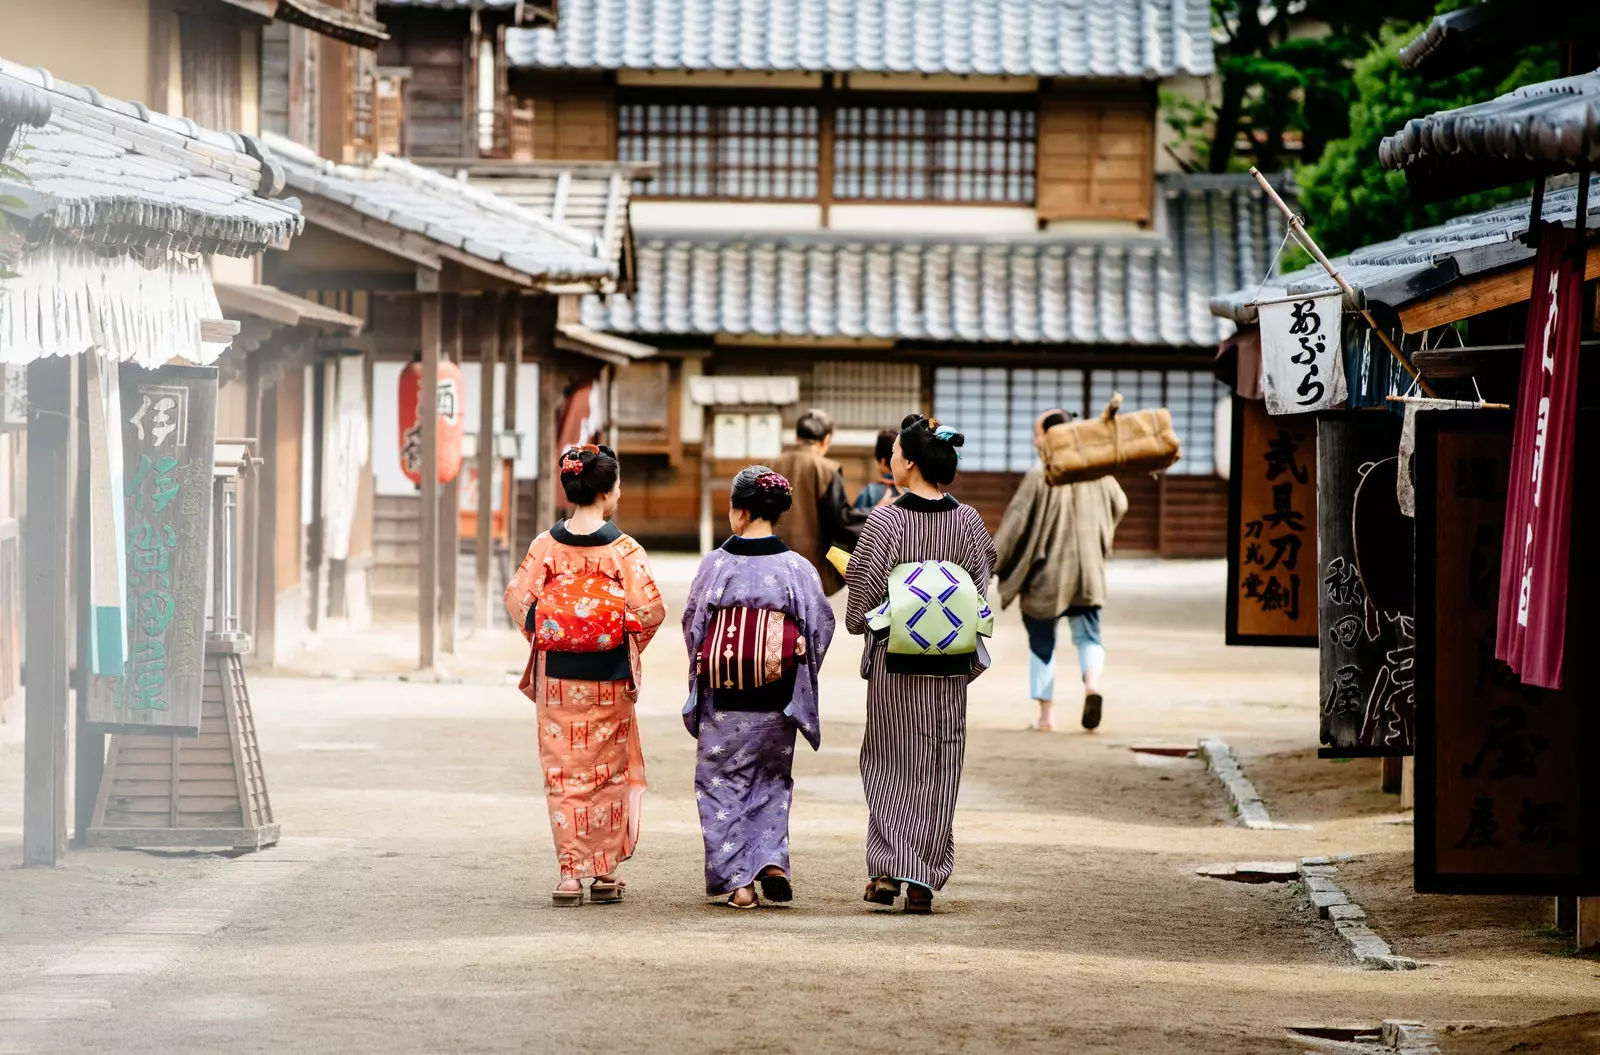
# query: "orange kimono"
[588,739]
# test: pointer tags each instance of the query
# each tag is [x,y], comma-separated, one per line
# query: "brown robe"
[822,516]
[1053,543]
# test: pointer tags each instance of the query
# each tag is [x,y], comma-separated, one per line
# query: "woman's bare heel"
[564,896]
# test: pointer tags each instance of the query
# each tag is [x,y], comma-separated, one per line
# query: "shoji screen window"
[1032,393]
[976,400]
[722,149]
[1192,395]
[967,152]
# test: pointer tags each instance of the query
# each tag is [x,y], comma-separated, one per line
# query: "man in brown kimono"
[822,516]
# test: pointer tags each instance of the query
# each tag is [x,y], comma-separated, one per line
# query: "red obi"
[748,648]
[582,613]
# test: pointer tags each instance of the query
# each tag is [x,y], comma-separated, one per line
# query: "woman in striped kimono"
[757,627]
[916,732]
[585,597]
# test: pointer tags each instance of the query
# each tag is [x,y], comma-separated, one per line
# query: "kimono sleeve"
[867,574]
[643,595]
[523,592]
[1010,541]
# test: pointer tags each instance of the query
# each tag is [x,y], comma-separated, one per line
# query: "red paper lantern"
[451,395]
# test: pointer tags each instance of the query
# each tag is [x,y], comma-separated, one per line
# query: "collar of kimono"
[918,504]
[607,534]
[755,547]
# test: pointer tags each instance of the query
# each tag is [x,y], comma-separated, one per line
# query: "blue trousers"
[1085,625]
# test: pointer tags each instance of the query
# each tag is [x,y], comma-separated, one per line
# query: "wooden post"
[89,749]
[512,316]
[489,356]
[45,545]
[1566,913]
[707,455]
[1408,782]
[450,511]
[549,436]
[1588,928]
[428,529]
[1389,777]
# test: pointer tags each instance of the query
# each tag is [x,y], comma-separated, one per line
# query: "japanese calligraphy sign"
[1272,529]
[1302,356]
[452,421]
[13,397]
[169,431]
[1508,800]
[1367,639]
[1533,584]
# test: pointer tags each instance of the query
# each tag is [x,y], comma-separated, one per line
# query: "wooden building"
[982,238]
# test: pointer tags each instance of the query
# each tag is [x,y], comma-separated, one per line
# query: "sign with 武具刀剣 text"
[1272,528]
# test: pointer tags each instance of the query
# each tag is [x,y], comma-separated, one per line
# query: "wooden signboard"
[169,431]
[1272,528]
[1367,660]
[1508,795]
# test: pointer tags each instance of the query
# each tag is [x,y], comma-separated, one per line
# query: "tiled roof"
[1421,262]
[116,176]
[1141,289]
[451,213]
[1046,38]
[1547,127]
[591,197]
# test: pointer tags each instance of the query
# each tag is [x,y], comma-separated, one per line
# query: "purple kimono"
[742,780]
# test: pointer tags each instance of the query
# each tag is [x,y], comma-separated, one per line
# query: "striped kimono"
[916,733]
[588,739]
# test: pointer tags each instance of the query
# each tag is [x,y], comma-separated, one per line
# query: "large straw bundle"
[1140,441]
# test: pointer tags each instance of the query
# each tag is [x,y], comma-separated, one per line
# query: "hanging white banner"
[1302,354]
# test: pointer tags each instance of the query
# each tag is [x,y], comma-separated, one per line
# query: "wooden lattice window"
[865,395]
[723,150]
[362,131]
[390,117]
[957,153]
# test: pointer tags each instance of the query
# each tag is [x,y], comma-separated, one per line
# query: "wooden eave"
[1479,295]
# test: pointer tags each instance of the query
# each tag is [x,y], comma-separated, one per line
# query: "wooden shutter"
[390,107]
[1096,159]
[211,54]
[573,126]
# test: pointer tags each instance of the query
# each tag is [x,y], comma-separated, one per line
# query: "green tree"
[1348,198]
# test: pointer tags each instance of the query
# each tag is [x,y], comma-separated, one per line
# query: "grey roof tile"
[114,175]
[1141,290]
[1421,262]
[452,213]
[1047,38]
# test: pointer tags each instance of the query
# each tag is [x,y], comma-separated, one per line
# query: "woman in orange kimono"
[585,598]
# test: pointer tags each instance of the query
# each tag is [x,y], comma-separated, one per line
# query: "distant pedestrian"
[822,517]
[883,488]
[757,628]
[918,579]
[586,599]
[1053,544]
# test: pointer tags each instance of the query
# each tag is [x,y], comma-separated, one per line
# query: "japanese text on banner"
[1302,360]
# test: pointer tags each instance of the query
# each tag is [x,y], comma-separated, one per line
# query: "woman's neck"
[586,520]
[757,529]
[923,489]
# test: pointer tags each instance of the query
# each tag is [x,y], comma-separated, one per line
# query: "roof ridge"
[427,177]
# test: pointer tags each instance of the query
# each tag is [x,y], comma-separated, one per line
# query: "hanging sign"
[169,431]
[13,397]
[1272,528]
[1367,640]
[1506,786]
[1533,577]
[451,421]
[1302,354]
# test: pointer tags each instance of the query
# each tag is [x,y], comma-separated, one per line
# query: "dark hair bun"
[931,447]
[761,492]
[587,472]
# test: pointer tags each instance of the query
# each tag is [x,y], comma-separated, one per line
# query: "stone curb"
[1350,921]
[1251,811]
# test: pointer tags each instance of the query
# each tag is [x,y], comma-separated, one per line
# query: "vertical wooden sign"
[1272,528]
[1367,662]
[169,432]
[1508,796]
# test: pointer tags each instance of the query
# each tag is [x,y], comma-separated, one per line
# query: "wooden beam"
[512,315]
[1588,929]
[488,357]
[89,748]
[45,546]
[1476,296]
[428,529]
[393,240]
[450,510]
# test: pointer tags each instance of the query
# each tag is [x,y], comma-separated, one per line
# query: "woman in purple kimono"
[757,627]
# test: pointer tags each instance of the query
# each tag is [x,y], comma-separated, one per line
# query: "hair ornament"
[772,481]
[571,464]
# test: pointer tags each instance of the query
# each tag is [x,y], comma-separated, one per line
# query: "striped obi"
[747,649]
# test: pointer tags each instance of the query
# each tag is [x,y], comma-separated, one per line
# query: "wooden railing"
[10,619]
[513,132]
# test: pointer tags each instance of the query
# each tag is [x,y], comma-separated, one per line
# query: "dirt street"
[408,908]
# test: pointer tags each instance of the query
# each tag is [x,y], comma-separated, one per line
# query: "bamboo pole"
[1297,230]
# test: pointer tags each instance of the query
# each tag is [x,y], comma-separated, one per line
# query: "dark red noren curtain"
[1533,573]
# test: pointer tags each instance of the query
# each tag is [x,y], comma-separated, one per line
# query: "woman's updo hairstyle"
[587,472]
[762,493]
[931,447]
